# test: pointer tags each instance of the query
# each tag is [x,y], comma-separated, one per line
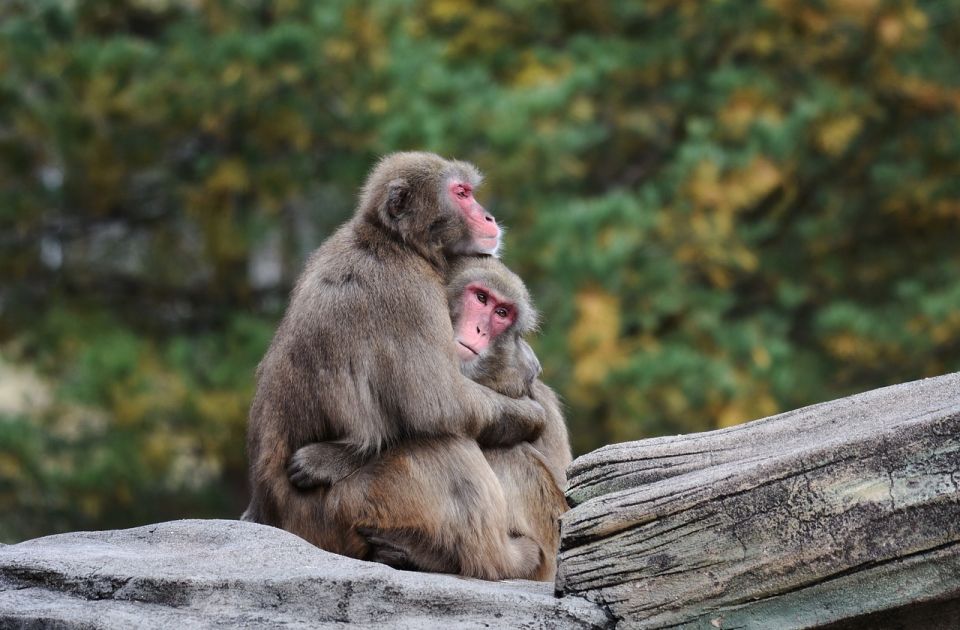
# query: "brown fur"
[446,505]
[363,353]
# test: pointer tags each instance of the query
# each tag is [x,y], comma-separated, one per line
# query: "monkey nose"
[488,218]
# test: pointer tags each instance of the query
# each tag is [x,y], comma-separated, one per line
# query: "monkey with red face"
[363,354]
[444,504]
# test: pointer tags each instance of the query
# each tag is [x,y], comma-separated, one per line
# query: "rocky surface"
[843,514]
[230,574]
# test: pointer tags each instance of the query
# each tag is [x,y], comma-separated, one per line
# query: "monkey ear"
[397,194]
[530,365]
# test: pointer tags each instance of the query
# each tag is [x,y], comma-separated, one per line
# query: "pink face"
[484,316]
[486,233]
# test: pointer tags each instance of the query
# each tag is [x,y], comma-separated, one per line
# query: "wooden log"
[845,513]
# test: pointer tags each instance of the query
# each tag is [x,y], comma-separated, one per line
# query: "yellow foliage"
[10,467]
[744,258]
[763,43]
[91,505]
[232,74]
[675,400]
[532,72]
[377,104]
[221,232]
[803,11]
[843,345]
[859,11]
[230,176]
[582,109]
[752,403]
[923,93]
[745,108]
[948,330]
[123,494]
[340,50]
[226,408]
[153,389]
[290,73]
[761,357]
[157,450]
[482,26]
[737,190]
[450,10]
[835,134]
[947,209]
[709,238]
[850,347]
[286,125]
[705,187]
[594,339]
[573,167]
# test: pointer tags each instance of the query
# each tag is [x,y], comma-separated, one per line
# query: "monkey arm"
[509,420]
[512,429]
[428,396]
[322,464]
[554,442]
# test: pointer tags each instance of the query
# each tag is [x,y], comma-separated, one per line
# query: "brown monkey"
[532,475]
[363,354]
[434,504]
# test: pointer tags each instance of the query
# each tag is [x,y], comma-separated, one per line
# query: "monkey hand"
[321,464]
[522,421]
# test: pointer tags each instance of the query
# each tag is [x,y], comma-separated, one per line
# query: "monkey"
[362,355]
[436,504]
[533,475]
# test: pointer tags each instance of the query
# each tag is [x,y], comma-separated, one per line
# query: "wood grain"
[820,516]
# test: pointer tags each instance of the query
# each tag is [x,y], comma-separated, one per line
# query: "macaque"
[445,505]
[363,356]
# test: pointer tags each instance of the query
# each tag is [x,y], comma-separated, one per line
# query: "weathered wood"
[824,515]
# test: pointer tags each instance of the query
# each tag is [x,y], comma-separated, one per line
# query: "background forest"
[724,209]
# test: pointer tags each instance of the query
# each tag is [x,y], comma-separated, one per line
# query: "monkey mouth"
[468,348]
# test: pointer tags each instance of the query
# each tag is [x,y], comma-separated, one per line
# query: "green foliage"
[724,209]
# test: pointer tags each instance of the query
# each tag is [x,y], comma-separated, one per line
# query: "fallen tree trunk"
[844,513]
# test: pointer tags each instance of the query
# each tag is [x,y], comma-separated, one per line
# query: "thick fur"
[444,504]
[363,353]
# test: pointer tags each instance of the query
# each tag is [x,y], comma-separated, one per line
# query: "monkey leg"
[536,501]
[436,506]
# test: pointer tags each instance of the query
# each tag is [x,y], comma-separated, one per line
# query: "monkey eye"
[481,297]
[501,313]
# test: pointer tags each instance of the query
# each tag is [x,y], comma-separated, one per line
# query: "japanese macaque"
[363,354]
[445,505]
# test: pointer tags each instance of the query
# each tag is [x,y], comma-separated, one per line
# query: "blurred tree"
[725,209]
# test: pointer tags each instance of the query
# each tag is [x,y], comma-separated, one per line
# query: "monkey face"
[484,315]
[484,231]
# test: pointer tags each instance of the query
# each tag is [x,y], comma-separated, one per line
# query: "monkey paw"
[321,464]
[303,476]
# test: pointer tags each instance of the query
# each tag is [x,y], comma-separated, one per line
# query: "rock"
[843,515]
[231,574]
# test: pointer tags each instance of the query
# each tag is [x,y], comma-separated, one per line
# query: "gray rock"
[842,515]
[230,574]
